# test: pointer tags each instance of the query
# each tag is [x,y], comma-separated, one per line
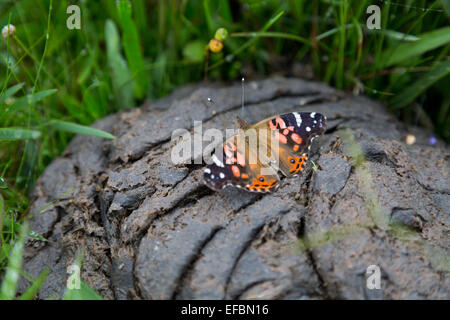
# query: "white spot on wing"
[207,170]
[217,161]
[308,129]
[313,115]
[221,175]
[298,119]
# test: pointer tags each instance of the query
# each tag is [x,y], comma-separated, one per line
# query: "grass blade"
[11,134]
[398,35]
[32,290]
[207,12]
[79,129]
[264,28]
[9,284]
[132,48]
[11,225]
[140,15]
[10,92]
[84,293]
[26,172]
[2,216]
[279,35]
[404,51]
[224,10]
[31,99]
[446,5]
[121,77]
[250,42]
[413,91]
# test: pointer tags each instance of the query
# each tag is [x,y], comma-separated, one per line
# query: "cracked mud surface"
[152,230]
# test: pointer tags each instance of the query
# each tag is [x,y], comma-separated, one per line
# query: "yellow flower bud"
[215,45]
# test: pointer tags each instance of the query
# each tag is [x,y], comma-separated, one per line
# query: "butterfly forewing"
[241,166]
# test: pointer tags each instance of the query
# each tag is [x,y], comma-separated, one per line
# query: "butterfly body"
[252,158]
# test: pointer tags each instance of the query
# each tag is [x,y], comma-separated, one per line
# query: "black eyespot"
[261,179]
[292,161]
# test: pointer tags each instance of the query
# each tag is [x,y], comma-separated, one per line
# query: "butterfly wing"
[237,166]
[240,166]
[294,133]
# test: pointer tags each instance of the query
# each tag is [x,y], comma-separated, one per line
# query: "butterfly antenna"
[242,102]
[242,99]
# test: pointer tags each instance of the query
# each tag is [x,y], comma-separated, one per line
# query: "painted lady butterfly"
[294,132]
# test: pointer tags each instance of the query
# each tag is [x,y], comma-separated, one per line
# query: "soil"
[149,229]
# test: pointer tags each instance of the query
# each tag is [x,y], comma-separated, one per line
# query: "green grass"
[55,82]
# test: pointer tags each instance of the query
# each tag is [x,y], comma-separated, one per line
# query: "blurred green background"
[55,82]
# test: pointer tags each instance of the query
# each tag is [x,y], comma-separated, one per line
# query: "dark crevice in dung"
[186,270]
[431,189]
[191,198]
[322,282]
[110,231]
[247,245]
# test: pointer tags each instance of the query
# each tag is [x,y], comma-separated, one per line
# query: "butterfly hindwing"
[294,133]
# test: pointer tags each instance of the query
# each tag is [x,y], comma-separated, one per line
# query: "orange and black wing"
[238,164]
[292,135]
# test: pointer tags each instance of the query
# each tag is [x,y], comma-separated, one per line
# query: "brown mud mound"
[152,230]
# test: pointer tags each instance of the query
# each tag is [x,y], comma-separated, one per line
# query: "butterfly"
[288,141]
